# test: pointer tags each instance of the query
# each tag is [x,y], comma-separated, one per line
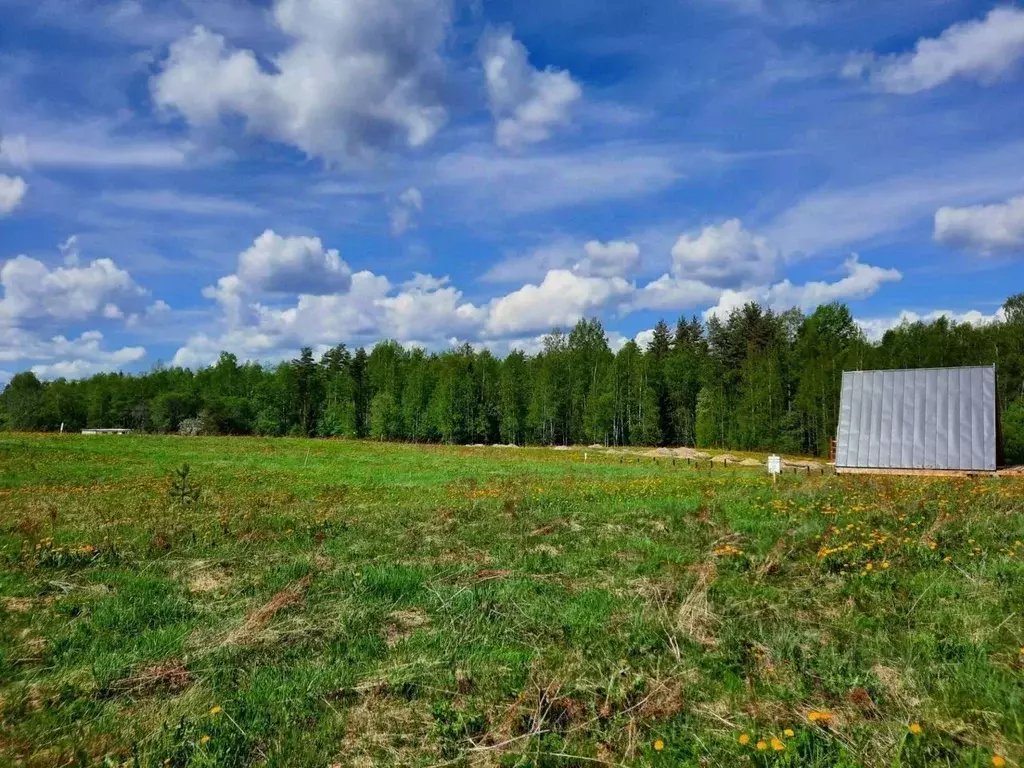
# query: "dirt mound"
[660,453]
[724,457]
[751,463]
[689,453]
[595,445]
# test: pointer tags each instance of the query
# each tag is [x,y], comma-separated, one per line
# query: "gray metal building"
[944,419]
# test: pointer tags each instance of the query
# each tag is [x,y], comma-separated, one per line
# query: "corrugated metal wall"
[928,418]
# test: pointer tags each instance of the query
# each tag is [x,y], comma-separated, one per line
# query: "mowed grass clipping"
[322,603]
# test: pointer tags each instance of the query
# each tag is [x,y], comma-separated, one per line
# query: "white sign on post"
[775,465]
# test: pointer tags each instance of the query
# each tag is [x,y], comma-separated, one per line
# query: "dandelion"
[744,739]
[762,745]
[947,559]
[819,717]
[204,739]
[788,733]
[658,745]
[868,567]
[777,744]
[916,729]
[998,761]
[216,710]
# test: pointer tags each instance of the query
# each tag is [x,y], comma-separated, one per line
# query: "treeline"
[758,380]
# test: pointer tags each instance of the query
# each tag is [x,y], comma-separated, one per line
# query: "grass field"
[318,603]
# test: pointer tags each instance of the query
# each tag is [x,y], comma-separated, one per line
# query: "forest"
[759,380]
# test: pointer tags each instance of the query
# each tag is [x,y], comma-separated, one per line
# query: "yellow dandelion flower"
[777,744]
[762,745]
[998,761]
[216,710]
[658,745]
[947,559]
[868,567]
[885,563]
[204,739]
[916,729]
[788,733]
[744,739]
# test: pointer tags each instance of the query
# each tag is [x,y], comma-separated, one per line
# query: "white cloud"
[410,202]
[85,356]
[70,358]
[674,293]
[860,282]
[980,49]
[615,258]
[33,290]
[590,259]
[527,103]
[69,250]
[281,265]
[425,309]
[643,338]
[358,76]
[429,310]
[12,192]
[875,328]
[983,228]
[715,263]
[90,145]
[726,255]
[560,299]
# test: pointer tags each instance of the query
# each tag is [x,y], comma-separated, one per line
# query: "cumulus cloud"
[357,77]
[643,338]
[724,254]
[281,265]
[983,228]
[860,282]
[875,328]
[527,103]
[612,259]
[12,192]
[410,202]
[429,311]
[980,49]
[720,260]
[71,358]
[84,356]
[357,308]
[33,290]
[560,299]
[673,293]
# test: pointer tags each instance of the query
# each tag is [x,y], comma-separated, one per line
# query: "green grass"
[341,603]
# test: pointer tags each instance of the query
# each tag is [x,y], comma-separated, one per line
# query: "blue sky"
[185,176]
